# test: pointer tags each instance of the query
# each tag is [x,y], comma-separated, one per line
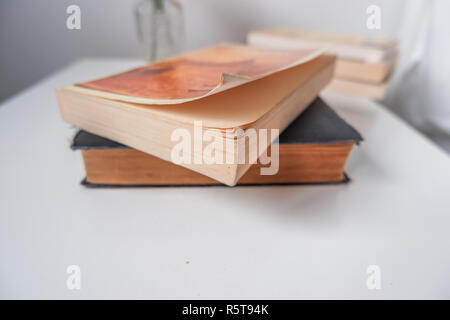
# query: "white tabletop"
[219,242]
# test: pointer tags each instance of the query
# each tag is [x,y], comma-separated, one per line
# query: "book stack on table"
[211,117]
[363,64]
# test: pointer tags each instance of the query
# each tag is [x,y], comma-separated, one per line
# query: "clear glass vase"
[160,28]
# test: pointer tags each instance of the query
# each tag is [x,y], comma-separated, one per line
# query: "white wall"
[34,40]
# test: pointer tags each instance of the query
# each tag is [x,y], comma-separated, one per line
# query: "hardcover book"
[313,149]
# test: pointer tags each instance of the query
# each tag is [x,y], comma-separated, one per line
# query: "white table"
[244,242]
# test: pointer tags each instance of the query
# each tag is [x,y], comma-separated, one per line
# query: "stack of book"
[363,63]
[213,116]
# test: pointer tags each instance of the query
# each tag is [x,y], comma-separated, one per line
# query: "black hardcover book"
[321,138]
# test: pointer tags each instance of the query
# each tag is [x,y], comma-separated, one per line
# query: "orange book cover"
[195,75]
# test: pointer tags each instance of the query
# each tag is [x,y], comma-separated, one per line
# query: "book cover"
[195,75]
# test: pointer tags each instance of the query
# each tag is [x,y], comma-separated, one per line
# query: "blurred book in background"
[363,66]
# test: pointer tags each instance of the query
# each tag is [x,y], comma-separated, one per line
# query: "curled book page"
[195,75]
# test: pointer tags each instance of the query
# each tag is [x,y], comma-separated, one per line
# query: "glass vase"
[160,28]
